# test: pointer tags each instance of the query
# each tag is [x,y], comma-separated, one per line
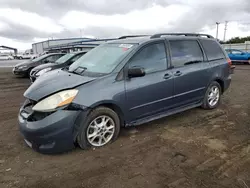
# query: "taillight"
[229,62]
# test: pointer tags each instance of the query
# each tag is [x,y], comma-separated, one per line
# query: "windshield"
[102,59]
[64,58]
[40,58]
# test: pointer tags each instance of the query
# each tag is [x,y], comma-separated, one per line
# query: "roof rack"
[179,34]
[130,36]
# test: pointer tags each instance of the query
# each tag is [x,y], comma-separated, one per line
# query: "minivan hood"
[54,81]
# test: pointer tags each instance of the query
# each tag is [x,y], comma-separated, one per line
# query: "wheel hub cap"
[213,96]
[100,131]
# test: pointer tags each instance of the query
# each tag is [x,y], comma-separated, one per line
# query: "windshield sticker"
[125,46]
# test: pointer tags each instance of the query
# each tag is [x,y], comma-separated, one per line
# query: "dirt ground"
[197,148]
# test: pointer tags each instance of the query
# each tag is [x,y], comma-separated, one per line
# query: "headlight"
[43,71]
[22,67]
[55,101]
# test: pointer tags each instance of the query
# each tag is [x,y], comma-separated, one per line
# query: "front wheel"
[212,97]
[101,127]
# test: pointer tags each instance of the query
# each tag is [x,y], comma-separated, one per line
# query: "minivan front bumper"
[54,133]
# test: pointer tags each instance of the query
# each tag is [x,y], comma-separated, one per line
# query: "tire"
[207,103]
[86,130]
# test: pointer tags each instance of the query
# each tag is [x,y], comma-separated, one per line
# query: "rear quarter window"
[212,50]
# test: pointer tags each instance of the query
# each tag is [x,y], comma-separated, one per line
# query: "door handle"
[167,76]
[178,73]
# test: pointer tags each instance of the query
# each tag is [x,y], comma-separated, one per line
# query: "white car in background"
[26,56]
[6,57]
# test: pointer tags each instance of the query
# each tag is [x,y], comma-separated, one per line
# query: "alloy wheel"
[100,131]
[213,96]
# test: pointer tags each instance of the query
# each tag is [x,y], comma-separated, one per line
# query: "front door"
[191,72]
[152,93]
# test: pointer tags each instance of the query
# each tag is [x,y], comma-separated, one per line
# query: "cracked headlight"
[55,101]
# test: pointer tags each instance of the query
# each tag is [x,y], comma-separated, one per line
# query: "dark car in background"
[123,83]
[63,61]
[23,69]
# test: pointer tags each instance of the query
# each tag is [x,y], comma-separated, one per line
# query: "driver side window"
[151,57]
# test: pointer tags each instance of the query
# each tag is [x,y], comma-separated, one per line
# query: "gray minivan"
[121,83]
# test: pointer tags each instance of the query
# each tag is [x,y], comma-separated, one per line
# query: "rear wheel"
[101,127]
[212,97]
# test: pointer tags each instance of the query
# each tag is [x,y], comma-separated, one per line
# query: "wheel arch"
[115,107]
[221,82]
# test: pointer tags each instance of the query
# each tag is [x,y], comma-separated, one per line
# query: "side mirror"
[243,53]
[136,72]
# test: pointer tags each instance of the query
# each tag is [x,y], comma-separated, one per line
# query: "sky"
[23,22]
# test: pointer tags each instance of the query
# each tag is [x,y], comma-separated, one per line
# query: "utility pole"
[225,31]
[217,29]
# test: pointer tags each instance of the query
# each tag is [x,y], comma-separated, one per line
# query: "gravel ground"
[196,148]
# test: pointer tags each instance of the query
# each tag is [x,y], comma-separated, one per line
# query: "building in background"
[77,46]
[39,47]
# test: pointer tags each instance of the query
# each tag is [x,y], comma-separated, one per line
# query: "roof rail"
[179,34]
[130,36]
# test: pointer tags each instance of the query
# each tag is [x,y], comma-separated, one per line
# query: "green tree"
[238,40]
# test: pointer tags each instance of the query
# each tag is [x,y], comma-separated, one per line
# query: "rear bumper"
[232,69]
[227,83]
[53,134]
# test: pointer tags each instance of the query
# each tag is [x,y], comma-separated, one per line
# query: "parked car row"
[24,68]
[64,61]
[120,83]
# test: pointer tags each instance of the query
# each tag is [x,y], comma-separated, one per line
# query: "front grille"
[36,116]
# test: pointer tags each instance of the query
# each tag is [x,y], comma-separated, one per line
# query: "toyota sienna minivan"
[121,83]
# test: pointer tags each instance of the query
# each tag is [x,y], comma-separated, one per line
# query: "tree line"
[236,40]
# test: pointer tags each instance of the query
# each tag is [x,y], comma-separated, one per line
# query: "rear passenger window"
[212,50]
[152,58]
[185,52]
